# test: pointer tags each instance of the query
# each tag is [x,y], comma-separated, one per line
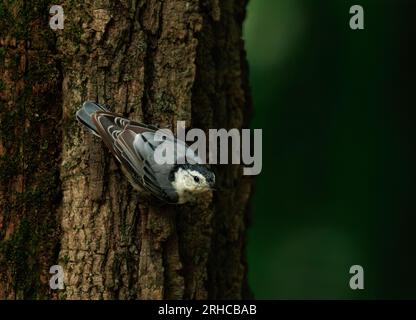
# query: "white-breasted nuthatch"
[133,144]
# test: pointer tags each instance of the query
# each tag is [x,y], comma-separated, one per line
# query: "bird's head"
[191,179]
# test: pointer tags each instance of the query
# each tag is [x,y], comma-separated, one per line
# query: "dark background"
[338,116]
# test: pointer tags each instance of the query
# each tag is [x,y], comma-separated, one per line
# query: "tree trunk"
[64,200]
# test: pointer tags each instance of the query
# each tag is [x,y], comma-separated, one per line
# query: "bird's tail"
[85,113]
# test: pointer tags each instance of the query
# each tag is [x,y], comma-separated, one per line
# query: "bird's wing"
[179,148]
[133,146]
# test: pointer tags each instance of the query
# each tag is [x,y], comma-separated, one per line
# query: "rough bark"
[63,199]
[30,99]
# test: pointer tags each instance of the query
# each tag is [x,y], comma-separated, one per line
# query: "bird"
[133,144]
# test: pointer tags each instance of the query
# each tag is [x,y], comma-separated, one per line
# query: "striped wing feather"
[132,143]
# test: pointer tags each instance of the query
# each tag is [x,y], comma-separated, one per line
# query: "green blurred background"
[338,116]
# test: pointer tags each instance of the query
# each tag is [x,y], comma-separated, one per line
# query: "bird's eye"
[196,179]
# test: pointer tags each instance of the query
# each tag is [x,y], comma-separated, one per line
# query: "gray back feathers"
[133,144]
